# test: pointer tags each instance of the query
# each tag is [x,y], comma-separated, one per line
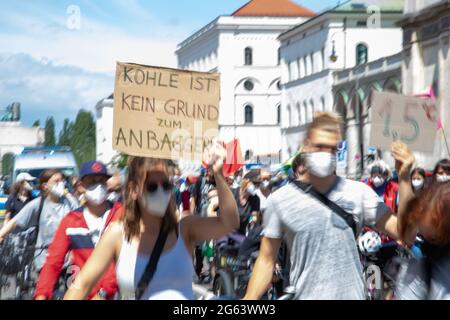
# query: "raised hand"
[404,158]
[215,156]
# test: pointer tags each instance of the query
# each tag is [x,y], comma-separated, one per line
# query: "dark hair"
[432,204]
[444,164]
[298,161]
[15,189]
[419,171]
[137,169]
[46,175]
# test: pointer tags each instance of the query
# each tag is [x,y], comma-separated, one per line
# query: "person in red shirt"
[381,182]
[79,233]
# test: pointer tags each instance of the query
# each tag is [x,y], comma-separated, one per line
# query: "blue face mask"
[35,193]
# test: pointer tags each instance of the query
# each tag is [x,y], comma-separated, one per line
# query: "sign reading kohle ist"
[164,113]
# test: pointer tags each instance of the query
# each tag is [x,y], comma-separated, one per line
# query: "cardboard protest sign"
[164,113]
[411,120]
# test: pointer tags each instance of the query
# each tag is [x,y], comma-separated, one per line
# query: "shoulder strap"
[307,188]
[151,266]
[41,205]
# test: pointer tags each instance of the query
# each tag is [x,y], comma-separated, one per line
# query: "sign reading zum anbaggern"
[164,113]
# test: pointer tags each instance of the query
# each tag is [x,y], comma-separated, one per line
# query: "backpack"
[434,254]
[17,250]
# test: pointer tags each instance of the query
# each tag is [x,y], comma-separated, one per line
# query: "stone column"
[352,148]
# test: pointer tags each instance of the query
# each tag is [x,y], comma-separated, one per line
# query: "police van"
[35,160]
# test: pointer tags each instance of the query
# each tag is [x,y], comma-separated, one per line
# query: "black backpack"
[433,255]
[17,250]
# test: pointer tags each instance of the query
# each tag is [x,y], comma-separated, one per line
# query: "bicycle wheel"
[223,285]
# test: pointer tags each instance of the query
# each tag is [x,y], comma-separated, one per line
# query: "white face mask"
[58,189]
[265,184]
[251,189]
[417,184]
[442,179]
[96,194]
[378,182]
[114,196]
[321,164]
[156,203]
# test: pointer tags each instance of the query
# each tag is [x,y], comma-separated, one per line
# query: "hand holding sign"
[408,119]
[404,159]
[216,155]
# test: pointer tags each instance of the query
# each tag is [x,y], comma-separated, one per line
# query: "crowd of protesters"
[152,232]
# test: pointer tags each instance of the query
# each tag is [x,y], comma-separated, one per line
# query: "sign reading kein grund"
[411,120]
[164,113]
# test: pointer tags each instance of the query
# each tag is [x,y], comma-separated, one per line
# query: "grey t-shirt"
[51,215]
[414,283]
[324,259]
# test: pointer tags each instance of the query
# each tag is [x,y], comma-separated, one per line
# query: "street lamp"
[333,56]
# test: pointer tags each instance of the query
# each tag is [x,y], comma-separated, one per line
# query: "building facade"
[346,37]
[426,62]
[104,130]
[244,49]
[351,96]
[15,137]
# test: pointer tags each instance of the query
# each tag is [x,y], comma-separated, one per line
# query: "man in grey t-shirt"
[323,252]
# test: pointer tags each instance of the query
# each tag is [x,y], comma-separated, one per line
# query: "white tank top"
[172,279]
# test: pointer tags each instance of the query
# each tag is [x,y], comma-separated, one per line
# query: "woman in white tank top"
[149,204]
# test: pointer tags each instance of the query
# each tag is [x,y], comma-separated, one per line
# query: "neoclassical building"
[346,40]
[244,48]
[351,96]
[104,129]
[426,62]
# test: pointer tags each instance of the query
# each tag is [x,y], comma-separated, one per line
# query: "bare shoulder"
[187,223]
[115,228]
[113,236]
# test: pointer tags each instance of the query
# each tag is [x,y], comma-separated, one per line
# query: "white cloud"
[45,89]
[96,46]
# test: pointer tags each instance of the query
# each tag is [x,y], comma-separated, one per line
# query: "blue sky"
[53,69]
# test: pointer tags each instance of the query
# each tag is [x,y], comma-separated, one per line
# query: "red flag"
[429,93]
[234,160]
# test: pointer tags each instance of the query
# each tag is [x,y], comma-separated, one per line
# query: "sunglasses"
[153,187]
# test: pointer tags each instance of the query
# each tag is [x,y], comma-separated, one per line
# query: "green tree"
[37,123]
[66,133]
[83,137]
[119,160]
[7,163]
[50,132]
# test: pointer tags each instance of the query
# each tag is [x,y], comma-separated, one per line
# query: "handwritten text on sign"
[408,119]
[164,113]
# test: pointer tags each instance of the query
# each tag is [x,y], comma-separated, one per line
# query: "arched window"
[248,56]
[362,56]
[299,114]
[248,85]
[322,104]
[310,112]
[302,67]
[278,114]
[304,113]
[289,116]
[248,114]
[248,155]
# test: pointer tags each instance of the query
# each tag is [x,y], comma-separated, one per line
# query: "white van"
[37,159]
